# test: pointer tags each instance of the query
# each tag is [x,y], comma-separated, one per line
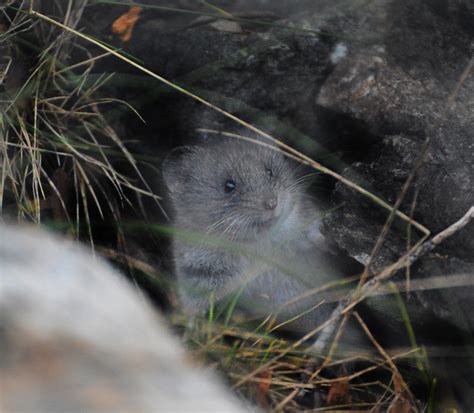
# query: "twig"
[406,260]
[380,349]
[325,336]
[388,359]
[438,239]
[287,399]
[388,223]
[408,244]
[332,349]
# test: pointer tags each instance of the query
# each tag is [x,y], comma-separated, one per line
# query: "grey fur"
[270,256]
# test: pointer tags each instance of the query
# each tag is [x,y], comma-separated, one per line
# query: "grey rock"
[402,100]
[399,88]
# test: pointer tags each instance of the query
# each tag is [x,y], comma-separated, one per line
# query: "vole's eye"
[229,185]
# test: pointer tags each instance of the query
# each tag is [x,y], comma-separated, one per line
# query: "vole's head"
[230,187]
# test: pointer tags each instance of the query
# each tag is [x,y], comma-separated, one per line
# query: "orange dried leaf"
[339,393]
[123,26]
[263,388]
[401,404]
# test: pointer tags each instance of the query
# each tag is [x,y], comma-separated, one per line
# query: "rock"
[398,87]
[402,99]
[76,337]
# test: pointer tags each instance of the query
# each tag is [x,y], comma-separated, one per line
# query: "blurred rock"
[76,337]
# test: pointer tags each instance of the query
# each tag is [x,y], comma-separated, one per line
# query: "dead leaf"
[401,403]
[123,26]
[263,388]
[339,394]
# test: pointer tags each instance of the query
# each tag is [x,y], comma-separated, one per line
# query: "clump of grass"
[58,150]
[282,374]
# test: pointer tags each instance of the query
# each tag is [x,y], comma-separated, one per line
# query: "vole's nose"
[270,201]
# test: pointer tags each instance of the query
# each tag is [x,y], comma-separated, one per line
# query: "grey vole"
[246,225]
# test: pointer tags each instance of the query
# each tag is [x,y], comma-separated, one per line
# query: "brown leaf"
[123,26]
[401,403]
[263,388]
[339,393]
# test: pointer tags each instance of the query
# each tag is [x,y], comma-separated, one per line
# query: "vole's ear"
[206,137]
[173,168]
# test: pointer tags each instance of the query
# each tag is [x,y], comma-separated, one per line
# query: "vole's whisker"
[221,222]
[215,225]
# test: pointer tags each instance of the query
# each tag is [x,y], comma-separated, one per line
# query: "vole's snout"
[270,201]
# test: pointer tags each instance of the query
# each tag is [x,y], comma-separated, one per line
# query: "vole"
[245,224]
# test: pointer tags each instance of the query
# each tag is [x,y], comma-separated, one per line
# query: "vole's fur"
[246,225]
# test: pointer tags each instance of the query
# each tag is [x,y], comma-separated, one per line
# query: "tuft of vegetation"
[58,150]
